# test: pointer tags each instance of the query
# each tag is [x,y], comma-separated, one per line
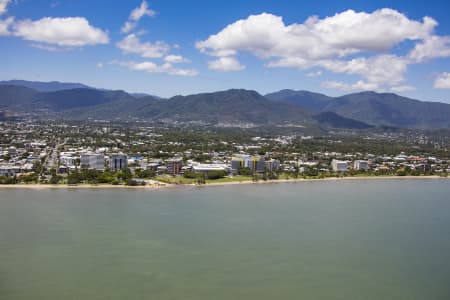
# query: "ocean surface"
[355,239]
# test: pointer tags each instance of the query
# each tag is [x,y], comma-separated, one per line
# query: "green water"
[379,239]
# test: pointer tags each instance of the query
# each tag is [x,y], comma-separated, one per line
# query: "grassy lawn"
[176,180]
[230,179]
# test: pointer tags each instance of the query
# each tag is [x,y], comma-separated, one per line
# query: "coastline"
[322,180]
[244,182]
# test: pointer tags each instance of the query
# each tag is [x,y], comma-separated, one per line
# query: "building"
[272,165]
[361,165]
[174,165]
[339,165]
[67,160]
[254,163]
[9,170]
[118,162]
[236,164]
[93,161]
[206,168]
[12,150]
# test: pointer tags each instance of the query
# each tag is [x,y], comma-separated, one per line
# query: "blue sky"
[168,47]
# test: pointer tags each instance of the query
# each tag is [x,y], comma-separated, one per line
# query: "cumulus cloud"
[64,32]
[431,47]
[176,59]
[442,81]
[349,32]
[225,64]
[4,6]
[327,43]
[5,26]
[132,44]
[378,70]
[135,15]
[151,67]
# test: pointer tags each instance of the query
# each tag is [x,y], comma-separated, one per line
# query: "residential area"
[108,153]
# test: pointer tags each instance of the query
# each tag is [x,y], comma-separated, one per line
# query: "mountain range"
[235,106]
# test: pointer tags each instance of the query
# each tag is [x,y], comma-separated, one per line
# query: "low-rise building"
[206,168]
[67,160]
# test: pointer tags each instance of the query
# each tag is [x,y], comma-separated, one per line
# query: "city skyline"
[175,47]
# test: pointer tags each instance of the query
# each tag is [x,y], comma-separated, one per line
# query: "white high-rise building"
[361,165]
[339,165]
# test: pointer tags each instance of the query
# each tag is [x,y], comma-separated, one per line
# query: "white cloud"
[151,67]
[431,47]
[402,88]
[175,59]
[50,48]
[314,74]
[159,49]
[100,65]
[442,81]
[128,26]
[4,6]
[328,42]
[135,15]
[132,44]
[141,11]
[5,26]
[358,86]
[349,32]
[377,70]
[225,64]
[64,32]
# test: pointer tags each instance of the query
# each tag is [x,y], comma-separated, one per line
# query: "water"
[378,239]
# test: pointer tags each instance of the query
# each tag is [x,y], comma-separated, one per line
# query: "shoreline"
[323,179]
[244,182]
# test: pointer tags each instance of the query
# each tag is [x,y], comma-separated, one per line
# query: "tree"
[55,179]
[124,174]
[192,175]
[245,171]
[131,182]
[216,174]
[401,172]
[145,173]
[8,180]
[74,177]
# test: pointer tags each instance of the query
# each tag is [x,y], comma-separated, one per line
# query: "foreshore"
[244,182]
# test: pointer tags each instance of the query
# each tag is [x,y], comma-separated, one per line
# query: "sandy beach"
[161,185]
[324,179]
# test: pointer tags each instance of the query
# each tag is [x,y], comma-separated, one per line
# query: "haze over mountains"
[236,106]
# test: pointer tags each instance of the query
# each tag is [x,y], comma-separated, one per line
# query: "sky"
[169,47]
